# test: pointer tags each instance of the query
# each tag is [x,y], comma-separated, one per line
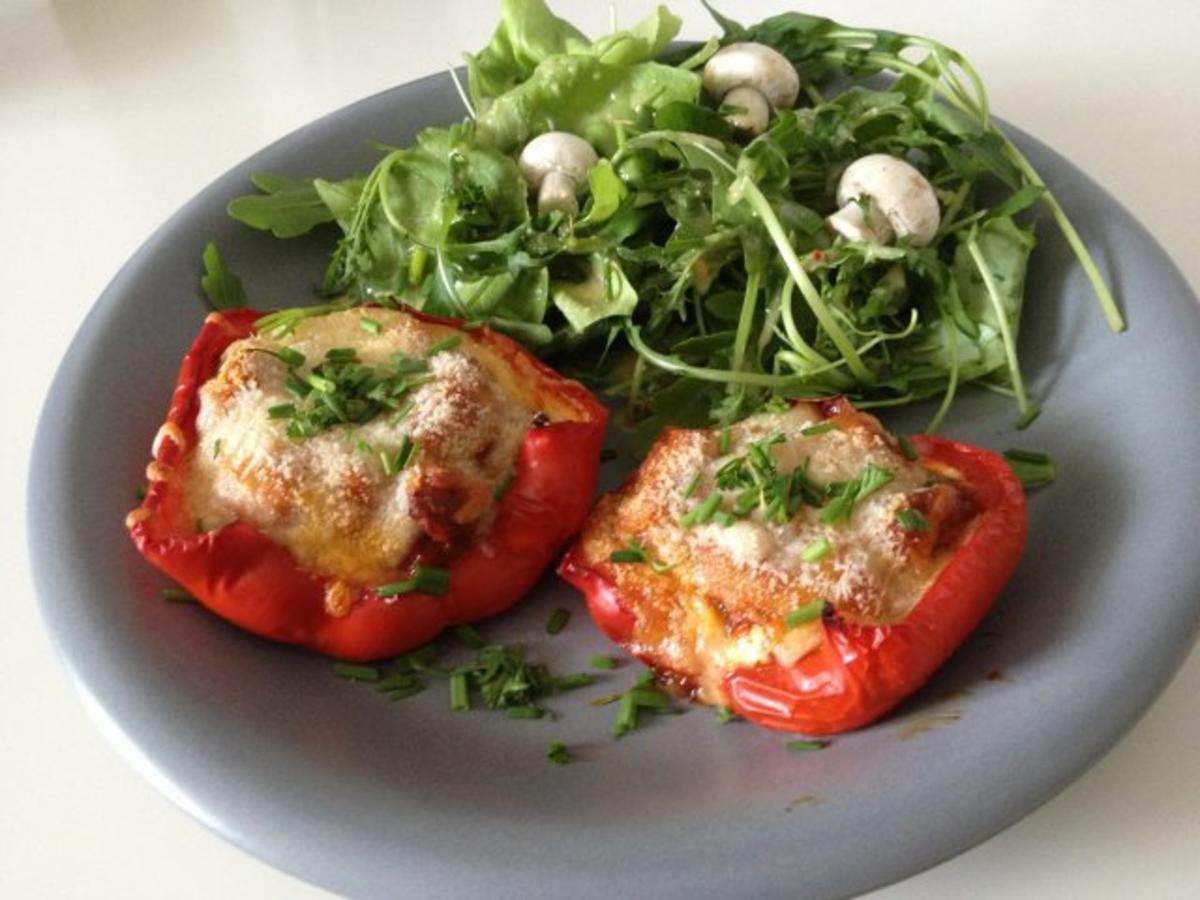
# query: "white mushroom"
[754,78]
[556,165]
[882,197]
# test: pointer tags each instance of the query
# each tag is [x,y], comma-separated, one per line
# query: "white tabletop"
[113,114]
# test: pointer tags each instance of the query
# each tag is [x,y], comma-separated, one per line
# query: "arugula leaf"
[222,288]
[287,207]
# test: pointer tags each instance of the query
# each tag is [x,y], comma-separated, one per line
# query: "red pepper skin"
[245,577]
[860,672]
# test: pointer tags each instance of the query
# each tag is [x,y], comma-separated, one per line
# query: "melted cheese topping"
[328,498]
[724,604]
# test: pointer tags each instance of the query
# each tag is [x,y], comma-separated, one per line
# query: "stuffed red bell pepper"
[802,567]
[355,481]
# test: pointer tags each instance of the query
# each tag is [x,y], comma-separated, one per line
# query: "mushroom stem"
[852,223]
[557,193]
[753,113]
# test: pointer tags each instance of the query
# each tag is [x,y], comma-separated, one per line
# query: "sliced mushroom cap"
[881,196]
[556,165]
[747,64]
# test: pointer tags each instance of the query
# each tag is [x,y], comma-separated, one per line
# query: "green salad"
[692,236]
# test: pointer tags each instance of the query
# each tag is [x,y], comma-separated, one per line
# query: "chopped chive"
[370,326]
[558,753]
[723,518]
[660,567]
[141,492]
[403,693]
[911,520]
[1029,456]
[341,354]
[627,716]
[320,383]
[1032,468]
[807,613]
[813,430]
[460,695]
[691,486]
[817,550]
[906,447]
[216,448]
[558,620]
[444,344]
[725,714]
[503,487]
[650,697]
[390,463]
[177,595]
[355,671]
[396,681]
[607,699]
[725,440]
[425,580]
[633,552]
[524,712]
[281,411]
[701,513]
[805,746]
[404,455]
[606,663]
[573,681]
[289,357]
[627,556]
[469,636]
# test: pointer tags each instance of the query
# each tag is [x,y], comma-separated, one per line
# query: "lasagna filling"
[360,441]
[730,546]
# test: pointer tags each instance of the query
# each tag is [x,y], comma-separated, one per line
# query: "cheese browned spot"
[725,603]
[328,498]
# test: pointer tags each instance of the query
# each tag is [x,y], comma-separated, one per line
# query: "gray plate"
[329,781]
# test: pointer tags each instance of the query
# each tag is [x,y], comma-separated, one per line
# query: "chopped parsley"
[558,753]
